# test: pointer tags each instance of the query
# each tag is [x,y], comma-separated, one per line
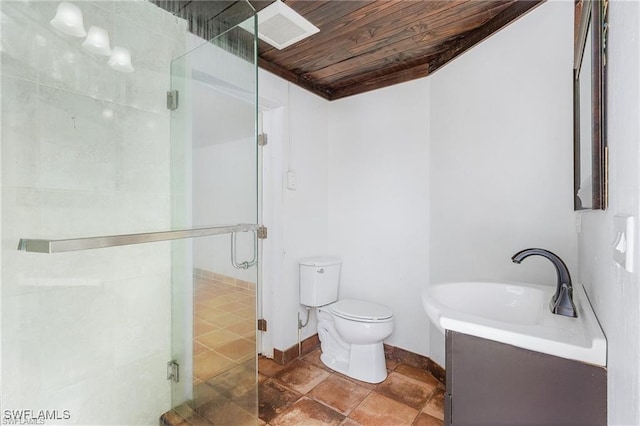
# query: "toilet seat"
[359,310]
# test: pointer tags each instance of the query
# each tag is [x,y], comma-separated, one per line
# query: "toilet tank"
[319,280]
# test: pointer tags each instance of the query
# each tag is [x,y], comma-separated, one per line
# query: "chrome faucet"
[562,301]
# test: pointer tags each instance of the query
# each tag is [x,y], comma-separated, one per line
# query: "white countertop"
[579,339]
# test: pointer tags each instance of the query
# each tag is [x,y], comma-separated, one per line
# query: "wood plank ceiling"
[365,45]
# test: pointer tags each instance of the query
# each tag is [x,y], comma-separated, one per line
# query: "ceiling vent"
[281,26]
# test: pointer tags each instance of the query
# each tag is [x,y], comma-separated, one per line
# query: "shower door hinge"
[263,139]
[262,232]
[262,324]
[172,100]
[173,371]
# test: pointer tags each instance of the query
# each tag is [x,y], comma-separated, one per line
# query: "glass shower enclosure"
[128,212]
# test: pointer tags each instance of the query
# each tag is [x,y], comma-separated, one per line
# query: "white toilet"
[351,331]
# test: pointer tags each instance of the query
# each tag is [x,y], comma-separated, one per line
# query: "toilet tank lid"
[320,261]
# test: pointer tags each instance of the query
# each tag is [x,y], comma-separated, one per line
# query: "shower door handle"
[103,241]
[246,264]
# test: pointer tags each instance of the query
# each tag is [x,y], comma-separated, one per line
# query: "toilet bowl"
[351,334]
[351,331]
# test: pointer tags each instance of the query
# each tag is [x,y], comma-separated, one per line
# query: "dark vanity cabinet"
[491,383]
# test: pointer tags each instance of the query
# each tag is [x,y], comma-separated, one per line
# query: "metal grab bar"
[79,244]
[247,264]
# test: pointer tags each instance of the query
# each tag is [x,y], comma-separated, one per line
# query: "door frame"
[271,249]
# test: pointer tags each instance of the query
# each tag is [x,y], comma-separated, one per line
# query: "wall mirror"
[589,105]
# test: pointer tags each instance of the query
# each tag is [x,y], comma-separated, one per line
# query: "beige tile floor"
[224,325]
[304,392]
[224,348]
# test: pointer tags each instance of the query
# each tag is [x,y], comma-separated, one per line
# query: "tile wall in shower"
[85,152]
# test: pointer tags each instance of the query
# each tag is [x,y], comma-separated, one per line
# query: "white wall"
[378,205]
[303,212]
[438,179]
[380,186]
[224,188]
[615,293]
[223,161]
[501,155]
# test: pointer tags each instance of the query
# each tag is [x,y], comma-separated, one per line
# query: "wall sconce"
[68,20]
[97,41]
[121,59]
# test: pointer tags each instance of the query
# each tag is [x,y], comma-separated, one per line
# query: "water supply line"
[300,327]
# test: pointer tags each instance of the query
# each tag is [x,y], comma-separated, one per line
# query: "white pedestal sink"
[518,314]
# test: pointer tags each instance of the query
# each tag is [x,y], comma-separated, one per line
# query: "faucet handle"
[563,304]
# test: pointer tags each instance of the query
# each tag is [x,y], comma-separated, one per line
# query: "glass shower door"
[214,182]
[92,165]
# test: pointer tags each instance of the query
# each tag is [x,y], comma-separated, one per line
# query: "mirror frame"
[591,13]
